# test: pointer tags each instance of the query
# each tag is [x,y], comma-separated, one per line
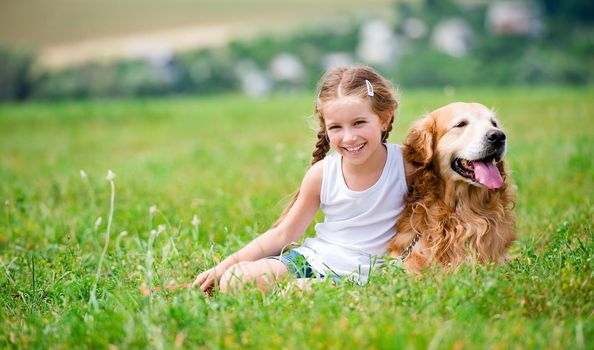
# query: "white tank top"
[358,224]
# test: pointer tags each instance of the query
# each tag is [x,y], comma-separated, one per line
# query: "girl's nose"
[348,135]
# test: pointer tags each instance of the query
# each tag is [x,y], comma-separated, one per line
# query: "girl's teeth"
[355,148]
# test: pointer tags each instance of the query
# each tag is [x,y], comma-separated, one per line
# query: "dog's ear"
[418,147]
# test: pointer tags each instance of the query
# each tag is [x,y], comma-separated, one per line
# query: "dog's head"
[463,140]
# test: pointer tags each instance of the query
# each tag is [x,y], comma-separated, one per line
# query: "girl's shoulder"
[395,149]
[312,181]
[393,146]
[404,165]
[316,170]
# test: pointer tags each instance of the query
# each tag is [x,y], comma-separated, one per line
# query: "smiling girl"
[359,187]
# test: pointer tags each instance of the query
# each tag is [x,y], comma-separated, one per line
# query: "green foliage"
[428,67]
[564,12]
[205,71]
[561,53]
[127,78]
[233,162]
[15,70]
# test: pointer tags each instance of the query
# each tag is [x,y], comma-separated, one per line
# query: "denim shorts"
[297,265]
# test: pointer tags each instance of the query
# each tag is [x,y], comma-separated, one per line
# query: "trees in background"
[432,43]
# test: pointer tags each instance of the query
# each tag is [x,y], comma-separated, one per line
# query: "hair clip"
[369,88]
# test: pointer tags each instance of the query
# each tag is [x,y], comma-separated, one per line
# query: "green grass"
[234,162]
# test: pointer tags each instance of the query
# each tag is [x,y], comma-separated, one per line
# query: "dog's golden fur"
[458,220]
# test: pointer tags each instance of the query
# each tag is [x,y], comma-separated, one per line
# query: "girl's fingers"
[206,284]
[205,280]
[199,279]
[196,281]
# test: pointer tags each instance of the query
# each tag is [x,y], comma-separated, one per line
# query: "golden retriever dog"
[459,205]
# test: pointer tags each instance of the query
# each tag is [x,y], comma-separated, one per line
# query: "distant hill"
[74,31]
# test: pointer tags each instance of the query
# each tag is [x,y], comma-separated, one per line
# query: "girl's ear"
[385,124]
[418,147]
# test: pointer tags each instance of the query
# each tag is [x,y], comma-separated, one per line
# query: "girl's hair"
[350,81]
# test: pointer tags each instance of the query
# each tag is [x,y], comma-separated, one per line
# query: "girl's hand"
[206,279]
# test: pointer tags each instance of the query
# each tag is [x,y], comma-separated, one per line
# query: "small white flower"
[153,210]
[98,222]
[123,233]
[195,221]
[110,175]
[153,232]
[160,229]
[83,174]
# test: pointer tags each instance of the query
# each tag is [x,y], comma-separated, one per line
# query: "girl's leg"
[262,273]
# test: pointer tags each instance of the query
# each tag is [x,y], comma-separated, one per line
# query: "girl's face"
[354,130]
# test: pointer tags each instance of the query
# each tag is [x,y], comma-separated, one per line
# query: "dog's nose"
[496,137]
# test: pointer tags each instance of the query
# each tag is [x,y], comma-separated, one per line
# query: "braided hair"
[349,81]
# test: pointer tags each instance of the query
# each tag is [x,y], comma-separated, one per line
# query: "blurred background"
[65,49]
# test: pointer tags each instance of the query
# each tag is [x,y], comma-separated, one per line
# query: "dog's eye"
[461,124]
[494,123]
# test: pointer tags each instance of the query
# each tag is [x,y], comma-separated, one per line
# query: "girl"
[359,187]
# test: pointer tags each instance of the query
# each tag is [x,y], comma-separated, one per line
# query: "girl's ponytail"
[322,146]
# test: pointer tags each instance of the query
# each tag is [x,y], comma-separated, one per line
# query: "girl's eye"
[333,127]
[359,122]
[461,124]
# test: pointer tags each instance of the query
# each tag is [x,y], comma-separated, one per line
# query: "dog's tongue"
[487,174]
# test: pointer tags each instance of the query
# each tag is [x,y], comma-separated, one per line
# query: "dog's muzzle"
[483,169]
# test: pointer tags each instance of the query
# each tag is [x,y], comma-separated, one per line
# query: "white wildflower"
[98,222]
[195,221]
[153,210]
[83,174]
[110,175]
[153,233]
[160,229]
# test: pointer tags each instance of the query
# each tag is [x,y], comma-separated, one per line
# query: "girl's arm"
[276,239]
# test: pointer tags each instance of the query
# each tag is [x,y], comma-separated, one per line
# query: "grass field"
[233,162]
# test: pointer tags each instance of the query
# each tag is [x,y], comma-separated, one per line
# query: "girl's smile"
[356,149]
[353,129]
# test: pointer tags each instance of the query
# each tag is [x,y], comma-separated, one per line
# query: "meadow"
[198,177]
